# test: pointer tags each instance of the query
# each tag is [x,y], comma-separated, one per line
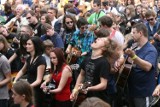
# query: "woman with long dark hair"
[62,75]
[34,67]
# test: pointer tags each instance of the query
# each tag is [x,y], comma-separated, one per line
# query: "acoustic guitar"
[154,101]
[72,56]
[13,75]
[80,96]
[125,70]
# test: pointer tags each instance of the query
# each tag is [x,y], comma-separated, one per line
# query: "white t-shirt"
[118,37]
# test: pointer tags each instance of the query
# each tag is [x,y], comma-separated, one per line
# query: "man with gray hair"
[18,20]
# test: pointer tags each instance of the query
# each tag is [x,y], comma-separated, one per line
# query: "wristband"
[74,90]
[134,57]
[14,82]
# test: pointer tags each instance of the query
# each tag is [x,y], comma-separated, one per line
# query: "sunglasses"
[151,19]
[84,27]
[28,18]
[69,22]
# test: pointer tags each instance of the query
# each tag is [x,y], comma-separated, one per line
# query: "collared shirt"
[82,42]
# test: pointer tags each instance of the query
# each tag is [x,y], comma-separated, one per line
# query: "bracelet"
[14,82]
[74,90]
[134,57]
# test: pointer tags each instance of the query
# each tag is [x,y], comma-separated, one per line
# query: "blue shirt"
[29,2]
[55,38]
[142,83]
[82,42]
[156,27]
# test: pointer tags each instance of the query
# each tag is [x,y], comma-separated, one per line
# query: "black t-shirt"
[32,68]
[94,70]
[37,29]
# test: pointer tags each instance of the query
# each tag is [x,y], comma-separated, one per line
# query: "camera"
[51,86]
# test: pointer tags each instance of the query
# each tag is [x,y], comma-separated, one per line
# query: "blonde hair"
[94,102]
[48,43]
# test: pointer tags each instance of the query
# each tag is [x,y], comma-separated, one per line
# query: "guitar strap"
[112,34]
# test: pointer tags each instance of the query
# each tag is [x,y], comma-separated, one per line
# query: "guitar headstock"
[85,85]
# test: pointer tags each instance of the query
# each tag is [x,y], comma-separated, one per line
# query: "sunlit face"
[53,58]
[51,14]
[1,45]
[30,46]
[17,98]
[69,23]
[19,11]
[43,19]
[99,43]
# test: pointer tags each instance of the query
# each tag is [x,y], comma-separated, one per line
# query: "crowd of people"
[79,53]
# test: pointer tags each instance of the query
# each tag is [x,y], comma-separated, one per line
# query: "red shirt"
[64,95]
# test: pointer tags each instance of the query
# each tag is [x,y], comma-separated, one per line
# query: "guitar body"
[123,76]
[13,75]
[72,57]
[81,97]
[125,70]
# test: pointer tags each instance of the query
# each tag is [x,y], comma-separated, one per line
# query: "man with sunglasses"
[14,24]
[34,23]
[107,8]
[153,26]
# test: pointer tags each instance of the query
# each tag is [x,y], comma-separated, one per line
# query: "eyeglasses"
[69,22]
[28,18]
[84,27]
[151,19]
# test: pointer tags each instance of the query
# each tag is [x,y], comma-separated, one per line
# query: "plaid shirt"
[82,42]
